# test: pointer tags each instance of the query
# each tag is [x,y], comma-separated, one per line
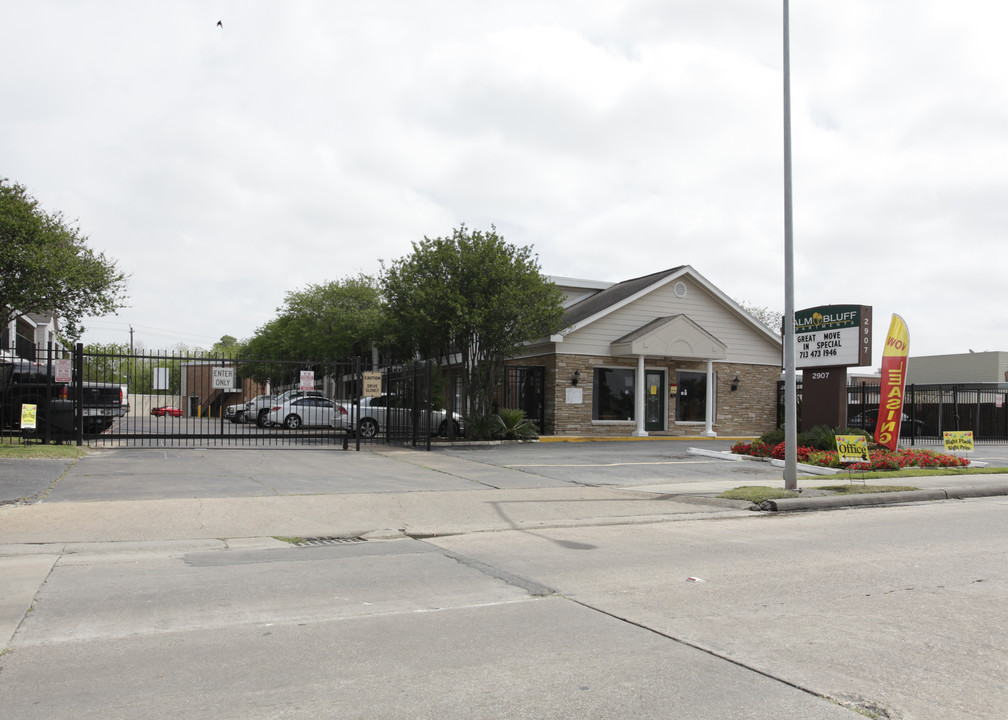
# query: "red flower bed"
[880,458]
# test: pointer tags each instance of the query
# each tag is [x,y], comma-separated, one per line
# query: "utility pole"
[790,385]
[131,339]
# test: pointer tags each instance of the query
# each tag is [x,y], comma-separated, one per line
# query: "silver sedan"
[311,411]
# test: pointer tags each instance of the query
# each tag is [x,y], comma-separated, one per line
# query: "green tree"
[267,346]
[106,362]
[773,319]
[227,346]
[472,300]
[323,322]
[46,266]
[333,320]
[330,321]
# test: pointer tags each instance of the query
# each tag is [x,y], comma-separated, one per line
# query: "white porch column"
[709,419]
[639,399]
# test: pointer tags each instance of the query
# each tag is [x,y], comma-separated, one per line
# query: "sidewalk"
[443,495]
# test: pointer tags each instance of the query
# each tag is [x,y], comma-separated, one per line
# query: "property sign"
[63,371]
[223,378]
[372,384]
[833,336]
[29,416]
[852,448]
[307,380]
[958,440]
[160,378]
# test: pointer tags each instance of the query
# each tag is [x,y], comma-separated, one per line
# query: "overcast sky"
[305,141]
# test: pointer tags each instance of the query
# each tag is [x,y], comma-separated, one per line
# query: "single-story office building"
[663,354]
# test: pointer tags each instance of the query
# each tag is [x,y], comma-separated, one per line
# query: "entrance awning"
[675,336]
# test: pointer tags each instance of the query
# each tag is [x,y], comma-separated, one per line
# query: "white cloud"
[304,141]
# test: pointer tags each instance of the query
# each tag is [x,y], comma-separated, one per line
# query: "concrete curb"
[830,502]
[725,455]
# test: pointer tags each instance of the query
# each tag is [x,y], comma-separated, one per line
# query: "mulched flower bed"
[881,458]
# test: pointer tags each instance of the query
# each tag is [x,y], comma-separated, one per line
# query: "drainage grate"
[317,541]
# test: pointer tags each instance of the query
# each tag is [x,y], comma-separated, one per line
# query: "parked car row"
[868,419]
[295,409]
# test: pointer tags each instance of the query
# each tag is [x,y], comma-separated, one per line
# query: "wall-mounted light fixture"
[734,384]
[576,377]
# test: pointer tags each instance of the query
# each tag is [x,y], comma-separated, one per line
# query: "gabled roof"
[674,336]
[615,295]
[623,293]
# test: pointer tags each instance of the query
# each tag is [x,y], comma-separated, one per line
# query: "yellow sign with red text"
[894,369]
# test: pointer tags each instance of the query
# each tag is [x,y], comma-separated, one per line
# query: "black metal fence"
[199,399]
[929,410]
[177,399]
[523,388]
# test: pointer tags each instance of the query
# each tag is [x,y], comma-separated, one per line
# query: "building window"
[692,401]
[613,394]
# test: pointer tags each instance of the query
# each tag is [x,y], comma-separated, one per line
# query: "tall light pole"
[790,387]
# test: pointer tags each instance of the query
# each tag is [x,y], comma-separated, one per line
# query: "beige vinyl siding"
[745,342]
[981,367]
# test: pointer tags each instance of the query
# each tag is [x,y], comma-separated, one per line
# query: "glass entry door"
[654,400]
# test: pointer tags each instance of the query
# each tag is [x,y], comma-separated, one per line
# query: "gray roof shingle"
[612,295]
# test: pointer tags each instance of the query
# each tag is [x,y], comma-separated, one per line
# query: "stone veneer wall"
[750,410]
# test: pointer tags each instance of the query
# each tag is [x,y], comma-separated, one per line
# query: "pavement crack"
[532,587]
[34,600]
[708,651]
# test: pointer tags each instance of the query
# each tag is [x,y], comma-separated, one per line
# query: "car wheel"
[443,429]
[368,428]
[292,422]
[262,419]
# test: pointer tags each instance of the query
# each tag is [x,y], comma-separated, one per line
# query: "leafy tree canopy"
[471,299]
[773,319]
[47,267]
[228,346]
[331,321]
[334,320]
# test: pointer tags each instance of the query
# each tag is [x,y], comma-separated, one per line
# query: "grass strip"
[758,493]
[15,448]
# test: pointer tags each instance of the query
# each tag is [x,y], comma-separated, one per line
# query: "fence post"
[355,399]
[430,406]
[46,436]
[976,424]
[78,393]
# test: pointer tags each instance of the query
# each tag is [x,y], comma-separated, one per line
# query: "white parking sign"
[64,373]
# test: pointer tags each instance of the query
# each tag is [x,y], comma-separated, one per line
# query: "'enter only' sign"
[223,378]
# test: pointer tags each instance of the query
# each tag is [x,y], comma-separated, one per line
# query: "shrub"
[772,438]
[515,426]
[482,427]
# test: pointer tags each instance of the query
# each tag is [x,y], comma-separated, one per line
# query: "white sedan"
[310,411]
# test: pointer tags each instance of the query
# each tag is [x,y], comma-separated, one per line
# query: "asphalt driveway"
[158,473]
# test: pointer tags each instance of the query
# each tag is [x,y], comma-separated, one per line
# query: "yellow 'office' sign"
[852,448]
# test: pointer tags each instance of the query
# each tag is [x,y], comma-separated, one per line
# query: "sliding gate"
[203,400]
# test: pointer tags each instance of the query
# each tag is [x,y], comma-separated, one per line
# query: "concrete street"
[556,580]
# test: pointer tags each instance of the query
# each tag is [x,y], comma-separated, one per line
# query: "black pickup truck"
[28,383]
